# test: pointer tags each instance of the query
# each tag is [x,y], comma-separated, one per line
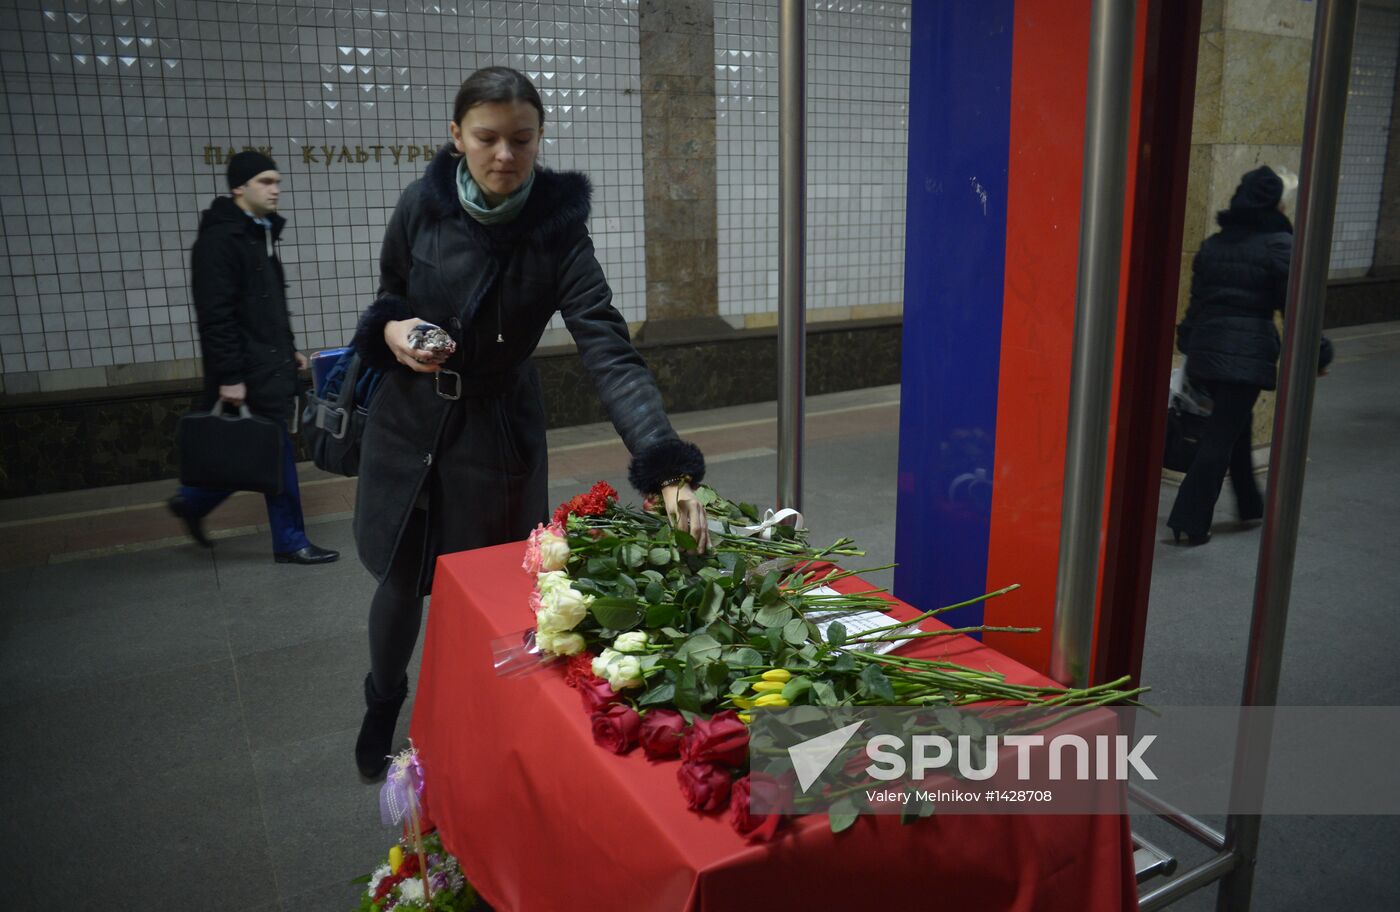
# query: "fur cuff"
[369,334]
[663,461]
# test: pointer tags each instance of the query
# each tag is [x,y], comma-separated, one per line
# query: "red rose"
[720,739]
[705,785]
[578,668]
[757,827]
[596,694]
[662,730]
[615,727]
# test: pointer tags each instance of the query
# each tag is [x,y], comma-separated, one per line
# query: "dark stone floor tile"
[322,822]
[110,735]
[180,837]
[129,635]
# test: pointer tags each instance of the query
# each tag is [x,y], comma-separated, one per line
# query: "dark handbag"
[1183,438]
[240,452]
[337,410]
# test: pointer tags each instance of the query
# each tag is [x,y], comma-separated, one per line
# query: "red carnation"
[607,491]
[662,730]
[705,785]
[720,739]
[578,668]
[596,694]
[757,827]
[615,728]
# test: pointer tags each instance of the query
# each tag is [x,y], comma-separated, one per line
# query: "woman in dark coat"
[488,246]
[1238,280]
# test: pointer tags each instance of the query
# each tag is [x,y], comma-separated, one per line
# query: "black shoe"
[1191,540]
[377,730]
[308,555]
[194,524]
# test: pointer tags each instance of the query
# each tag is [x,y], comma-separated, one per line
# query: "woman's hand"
[686,513]
[396,337]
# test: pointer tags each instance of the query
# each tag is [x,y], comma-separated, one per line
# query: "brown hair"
[495,84]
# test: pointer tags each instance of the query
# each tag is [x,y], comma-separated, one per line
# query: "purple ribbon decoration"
[403,788]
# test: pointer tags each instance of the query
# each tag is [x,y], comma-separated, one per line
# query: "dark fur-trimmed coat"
[481,458]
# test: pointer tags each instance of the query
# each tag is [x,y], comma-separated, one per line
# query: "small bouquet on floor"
[419,875]
[397,884]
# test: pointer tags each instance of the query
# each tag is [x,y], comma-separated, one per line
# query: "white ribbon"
[770,519]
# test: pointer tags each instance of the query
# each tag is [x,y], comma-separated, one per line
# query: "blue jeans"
[283,510]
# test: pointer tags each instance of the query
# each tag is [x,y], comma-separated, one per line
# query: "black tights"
[396,611]
[1225,448]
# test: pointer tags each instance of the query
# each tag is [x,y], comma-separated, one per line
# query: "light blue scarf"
[475,202]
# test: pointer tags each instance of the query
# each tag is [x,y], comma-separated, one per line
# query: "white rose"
[554,552]
[601,663]
[551,581]
[625,671]
[563,644]
[566,604]
[632,641]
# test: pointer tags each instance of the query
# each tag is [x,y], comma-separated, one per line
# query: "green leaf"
[844,662]
[665,692]
[950,719]
[836,633]
[915,809]
[873,683]
[773,615]
[662,615]
[603,567]
[796,688]
[616,613]
[743,656]
[626,585]
[701,648]
[749,510]
[714,601]
[633,554]
[706,495]
[659,557]
[775,639]
[824,693]
[769,590]
[685,540]
[795,631]
[652,575]
[842,814]
[655,592]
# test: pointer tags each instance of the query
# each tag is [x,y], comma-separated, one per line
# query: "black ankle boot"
[377,731]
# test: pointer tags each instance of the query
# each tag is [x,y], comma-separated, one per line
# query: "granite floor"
[178,722]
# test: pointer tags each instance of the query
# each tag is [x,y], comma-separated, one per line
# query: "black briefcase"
[240,452]
[1183,439]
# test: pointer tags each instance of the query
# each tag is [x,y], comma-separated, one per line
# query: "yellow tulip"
[780,675]
[746,718]
[771,699]
[763,687]
[741,702]
[395,859]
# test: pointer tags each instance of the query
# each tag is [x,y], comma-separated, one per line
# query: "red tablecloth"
[543,820]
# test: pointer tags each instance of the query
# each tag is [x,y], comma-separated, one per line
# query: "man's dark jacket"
[1238,280]
[481,458]
[240,298]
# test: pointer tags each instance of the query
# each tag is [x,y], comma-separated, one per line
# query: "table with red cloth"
[544,820]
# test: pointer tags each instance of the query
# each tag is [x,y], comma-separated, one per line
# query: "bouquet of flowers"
[674,650]
[397,884]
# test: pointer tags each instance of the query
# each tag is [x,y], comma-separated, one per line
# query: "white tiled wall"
[857,130]
[107,107]
[1365,138]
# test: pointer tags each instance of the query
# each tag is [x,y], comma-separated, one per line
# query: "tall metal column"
[792,192]
[1307,287]
[1096,312]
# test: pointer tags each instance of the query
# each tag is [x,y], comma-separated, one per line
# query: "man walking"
[250,356]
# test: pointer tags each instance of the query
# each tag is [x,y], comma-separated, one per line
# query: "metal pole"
[1307,288]
[1096,313]
[792,192]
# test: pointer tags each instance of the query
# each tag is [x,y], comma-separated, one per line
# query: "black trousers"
[396,611]
[1225,447]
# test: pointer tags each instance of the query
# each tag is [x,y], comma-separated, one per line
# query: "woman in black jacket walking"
[1238,279]
[488,246]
